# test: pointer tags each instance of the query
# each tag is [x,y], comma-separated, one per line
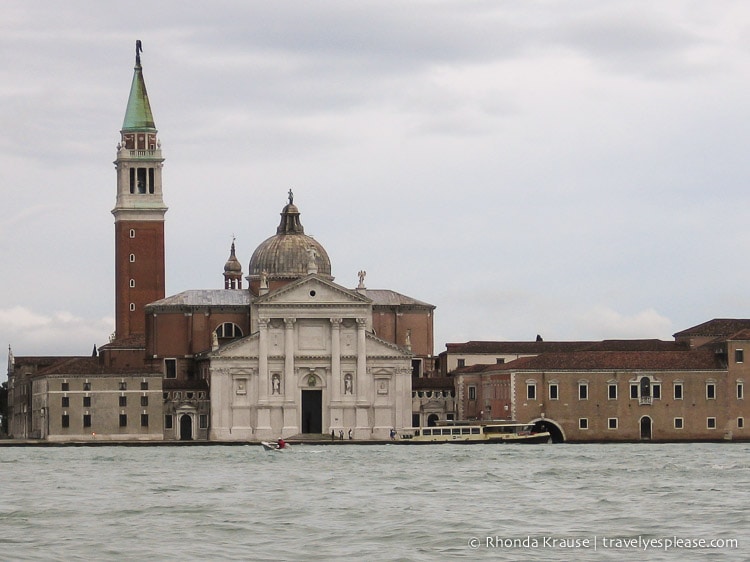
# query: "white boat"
[490,432]
[273,446]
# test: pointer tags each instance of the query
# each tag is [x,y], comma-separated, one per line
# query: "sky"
[572,169]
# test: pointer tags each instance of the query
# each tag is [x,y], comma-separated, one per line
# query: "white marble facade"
[310,365]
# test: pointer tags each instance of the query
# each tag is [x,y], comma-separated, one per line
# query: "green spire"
[138,115]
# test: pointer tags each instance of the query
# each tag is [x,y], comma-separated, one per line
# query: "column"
[289,410]
[288,358]
[335,359]
[262,359]
[364,423]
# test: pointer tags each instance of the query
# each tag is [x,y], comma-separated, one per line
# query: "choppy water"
[373,502]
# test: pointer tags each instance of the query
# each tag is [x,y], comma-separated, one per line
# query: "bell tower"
[139,213]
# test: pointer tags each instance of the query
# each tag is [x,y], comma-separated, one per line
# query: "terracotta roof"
[134,341]
[538,347]
[716,328]
[696,360]
[741,335]
[86,366]
[499,347]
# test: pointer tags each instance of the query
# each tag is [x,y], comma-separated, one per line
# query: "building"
[293,352]
[690,389]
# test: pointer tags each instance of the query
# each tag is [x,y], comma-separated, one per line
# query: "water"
[373,502]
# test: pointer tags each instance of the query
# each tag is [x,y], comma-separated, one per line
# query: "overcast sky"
[573,169]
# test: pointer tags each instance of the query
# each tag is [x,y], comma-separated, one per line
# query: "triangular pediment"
[311,291]
[243,347]
[377,347]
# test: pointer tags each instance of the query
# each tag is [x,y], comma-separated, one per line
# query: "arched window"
[228,331]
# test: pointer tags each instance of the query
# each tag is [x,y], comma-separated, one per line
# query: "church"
[287,352]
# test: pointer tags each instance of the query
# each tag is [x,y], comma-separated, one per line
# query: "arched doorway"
[432,420]
[186,427]
[646,426]
[555,431]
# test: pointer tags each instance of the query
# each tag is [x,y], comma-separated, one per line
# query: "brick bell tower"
[139,214]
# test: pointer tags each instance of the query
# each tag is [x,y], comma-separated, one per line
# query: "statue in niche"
[264,279]
[312,380]
[348,384]
[276,384]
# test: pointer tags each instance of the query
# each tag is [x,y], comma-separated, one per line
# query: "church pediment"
[243,347]
[313,290]
[381,348]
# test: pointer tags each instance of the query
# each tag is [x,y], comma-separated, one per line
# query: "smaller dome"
[233,265]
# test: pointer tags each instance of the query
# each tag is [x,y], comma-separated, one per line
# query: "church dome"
[290,254]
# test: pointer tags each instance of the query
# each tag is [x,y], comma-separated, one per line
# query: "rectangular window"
[123,385]
[86,420]
[678,391]
[472,393]
[170,367]
[612,423]
[144,420]
[612,391]
[87,386]
[203,421]
[87,401]
[144,400]
[633,391]
[583,423]
[740,423]
[678,423]
[739,356]
[710,391]
[583,391]
[656,391]
[65,387]
[123,401]
[65,402]
[144,385]
[461,363]
[554,391]
[499,361]
[168,421]
[65,422]
[711,423]
[123,420]
[530,391]
[740,391]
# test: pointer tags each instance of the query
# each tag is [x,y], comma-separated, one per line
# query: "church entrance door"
[186,428]
[312,411]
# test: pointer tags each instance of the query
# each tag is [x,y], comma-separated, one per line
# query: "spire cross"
[138,51]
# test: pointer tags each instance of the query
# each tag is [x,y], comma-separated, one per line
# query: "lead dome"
[289,254]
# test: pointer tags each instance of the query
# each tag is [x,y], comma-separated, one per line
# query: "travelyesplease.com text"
[595,542]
